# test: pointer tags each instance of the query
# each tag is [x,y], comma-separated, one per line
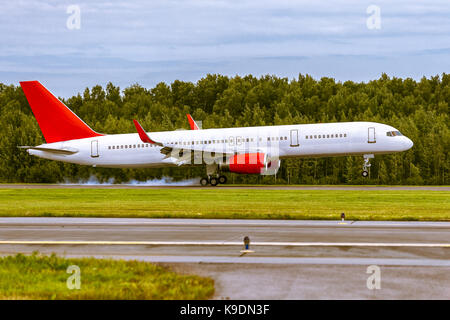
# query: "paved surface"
[169,186]
[291,259]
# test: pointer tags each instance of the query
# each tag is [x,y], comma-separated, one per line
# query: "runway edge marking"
[221,243]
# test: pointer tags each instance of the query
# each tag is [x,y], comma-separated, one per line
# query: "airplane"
[247,150]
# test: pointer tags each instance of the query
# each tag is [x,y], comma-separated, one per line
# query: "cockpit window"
[393,133]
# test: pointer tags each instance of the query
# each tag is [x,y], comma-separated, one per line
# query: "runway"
[229,187]
[291,259]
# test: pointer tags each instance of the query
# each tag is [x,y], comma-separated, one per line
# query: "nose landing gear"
[366,165]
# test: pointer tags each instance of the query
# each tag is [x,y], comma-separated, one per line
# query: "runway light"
[342,218]
[246,246]
[247,243]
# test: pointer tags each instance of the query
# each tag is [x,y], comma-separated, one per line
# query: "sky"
[71,45]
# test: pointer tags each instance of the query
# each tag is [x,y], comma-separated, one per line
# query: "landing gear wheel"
[366,165]
[214,181]
[222,179]
[204,181]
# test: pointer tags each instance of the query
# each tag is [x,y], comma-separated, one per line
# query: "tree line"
[419,109]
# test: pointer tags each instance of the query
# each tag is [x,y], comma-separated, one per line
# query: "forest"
[419,109]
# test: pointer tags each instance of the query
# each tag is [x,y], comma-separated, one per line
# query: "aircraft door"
[371,135]
[94,149]
[294,138]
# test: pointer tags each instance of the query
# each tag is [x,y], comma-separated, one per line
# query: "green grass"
[45,277]
[227,203]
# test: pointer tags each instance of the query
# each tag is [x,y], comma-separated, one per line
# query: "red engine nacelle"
[251,163]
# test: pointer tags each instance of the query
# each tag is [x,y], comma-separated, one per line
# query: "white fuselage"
[287,141]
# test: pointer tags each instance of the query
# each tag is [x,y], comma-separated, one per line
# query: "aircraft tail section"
[56,120]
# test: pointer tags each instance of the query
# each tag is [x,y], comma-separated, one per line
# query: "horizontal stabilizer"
[66,151]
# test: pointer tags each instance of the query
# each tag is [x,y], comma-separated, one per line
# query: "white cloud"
[190,33]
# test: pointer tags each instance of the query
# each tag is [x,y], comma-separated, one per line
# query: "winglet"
[144,137]
[192,123]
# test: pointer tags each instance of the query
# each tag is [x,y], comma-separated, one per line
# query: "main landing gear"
[366,165]
[214,181]
[212,176]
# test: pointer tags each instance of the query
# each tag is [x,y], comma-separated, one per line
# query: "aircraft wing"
[180,152]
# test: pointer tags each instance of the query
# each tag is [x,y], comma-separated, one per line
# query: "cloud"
[140,38]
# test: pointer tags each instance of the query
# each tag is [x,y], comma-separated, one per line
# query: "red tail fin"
[57,122]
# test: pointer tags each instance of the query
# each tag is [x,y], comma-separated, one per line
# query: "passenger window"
[328,135]
[345,135]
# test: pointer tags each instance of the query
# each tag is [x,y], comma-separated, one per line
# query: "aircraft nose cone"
[408,144]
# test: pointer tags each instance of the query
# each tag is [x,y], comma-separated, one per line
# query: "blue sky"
[147,42]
